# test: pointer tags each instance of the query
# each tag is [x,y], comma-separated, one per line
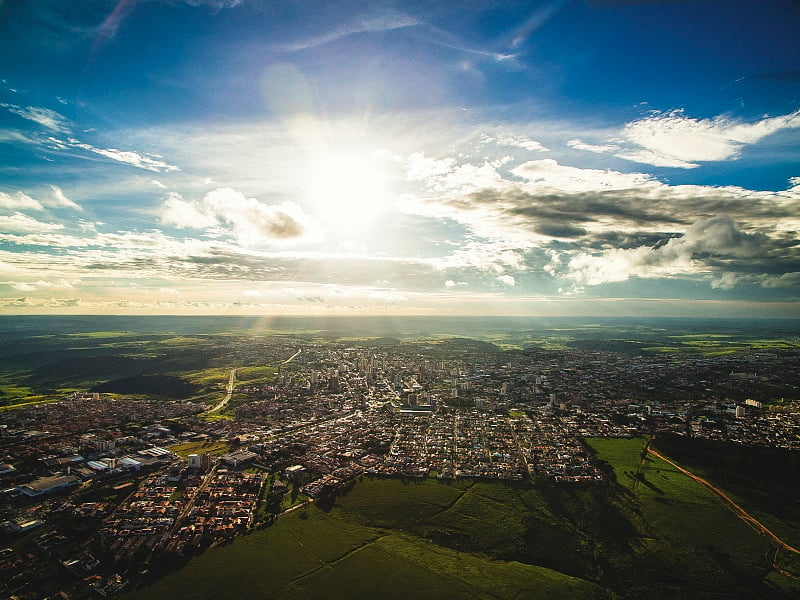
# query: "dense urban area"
[97,484]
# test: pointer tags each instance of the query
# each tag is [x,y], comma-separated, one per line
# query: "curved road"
[730,504]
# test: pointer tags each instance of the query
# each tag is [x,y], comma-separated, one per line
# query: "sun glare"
[348,191]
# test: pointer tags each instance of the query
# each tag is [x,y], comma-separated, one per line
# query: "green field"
[687,531]
[648,532]
[311,554]
[185,449]
[252,375]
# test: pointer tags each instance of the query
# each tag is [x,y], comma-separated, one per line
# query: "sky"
[569,158]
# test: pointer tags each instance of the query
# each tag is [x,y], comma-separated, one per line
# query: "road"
[732,506]
[292,357]
[224,401]
[191,501]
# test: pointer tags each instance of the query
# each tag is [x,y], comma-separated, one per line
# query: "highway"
[292,357]
[224,401]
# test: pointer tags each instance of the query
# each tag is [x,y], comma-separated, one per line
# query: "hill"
[647,532]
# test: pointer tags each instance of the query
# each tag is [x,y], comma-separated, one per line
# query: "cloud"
[19,223]
[43,116]
[420,167]
[596,148]
[184,215]
[31,286]
[674,140]
[726,281]
[718,236]
[214,4]
[549,174]
[252,222]
[19,201]
[141,161]
[388,296]
[785,280]
[60,200]
[516,141]
[39,302]
[507,279]
[386,21]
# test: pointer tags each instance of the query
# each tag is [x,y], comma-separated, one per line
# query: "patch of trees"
[773,470]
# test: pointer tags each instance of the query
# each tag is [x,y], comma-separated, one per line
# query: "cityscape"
[153,477]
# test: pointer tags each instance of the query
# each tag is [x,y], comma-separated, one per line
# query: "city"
[153,477]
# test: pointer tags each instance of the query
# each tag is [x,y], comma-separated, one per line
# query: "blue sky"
[592,157]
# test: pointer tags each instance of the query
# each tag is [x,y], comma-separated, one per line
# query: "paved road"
[224,401]
[292,357]
[732,506]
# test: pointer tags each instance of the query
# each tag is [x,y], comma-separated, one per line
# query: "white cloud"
[549,174]
[420,167]
[19,201]
[182,214]
[252,222]
[61,200]
[388,296]
[507,279]
[675,140]
[726,281]
[596,148]
[517,141]
[43,116]
[19,223]
[31,286]
[141,161]
[157,183]
[383,21]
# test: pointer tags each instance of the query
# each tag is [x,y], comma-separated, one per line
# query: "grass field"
[252,375]
[693,537]
[213,448]
[30,401]
[314,555]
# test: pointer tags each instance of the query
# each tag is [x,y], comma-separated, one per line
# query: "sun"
[349,190]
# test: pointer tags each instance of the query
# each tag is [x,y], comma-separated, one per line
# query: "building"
[201,462]
[47,485]
[238,458]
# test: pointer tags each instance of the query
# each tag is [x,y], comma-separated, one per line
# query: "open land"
[319,458]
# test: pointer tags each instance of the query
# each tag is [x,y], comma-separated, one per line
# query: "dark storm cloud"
[559,230]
